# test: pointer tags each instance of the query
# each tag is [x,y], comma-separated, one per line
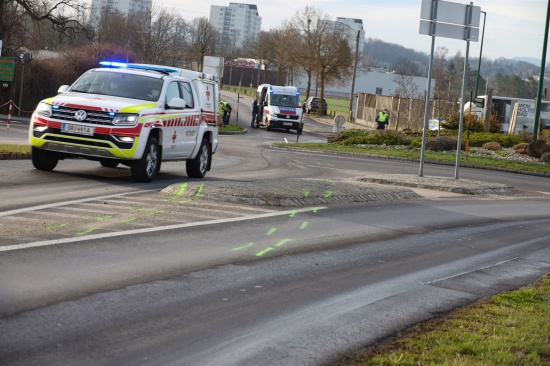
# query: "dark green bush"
[505,140]
[387,137]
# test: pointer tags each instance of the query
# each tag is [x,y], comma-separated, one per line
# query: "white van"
[279,107]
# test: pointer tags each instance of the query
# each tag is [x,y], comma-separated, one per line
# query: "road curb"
[12,156]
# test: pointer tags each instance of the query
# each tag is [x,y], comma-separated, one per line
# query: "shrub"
[494,146]
[526,136]
[521,148]
[387,137]
[453,118]
[505,140]
[545,135]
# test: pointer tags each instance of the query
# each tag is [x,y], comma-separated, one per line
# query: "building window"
[378,91]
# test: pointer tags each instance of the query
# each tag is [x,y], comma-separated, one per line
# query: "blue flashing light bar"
[297,93]
[122,65]
[270,89]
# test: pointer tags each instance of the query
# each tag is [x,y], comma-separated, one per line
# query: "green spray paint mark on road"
[103,218]
[306,192]
[293,213]
[244,246]
[283,242]
[315,209]
[130,220]
[155,213]
[186,201]
[331,181]
[198,194]
[140,209]
[328,194]
[87,231]
[180,193]
[55,226]
[304,225]
[271,231]
[264,251]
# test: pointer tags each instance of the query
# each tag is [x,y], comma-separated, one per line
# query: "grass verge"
[230,127]
[12,148]
[512,328]
[429,155]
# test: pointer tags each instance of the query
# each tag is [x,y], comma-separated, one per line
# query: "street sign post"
[450,20]
[7,67]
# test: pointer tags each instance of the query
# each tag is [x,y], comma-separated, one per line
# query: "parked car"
[312,105]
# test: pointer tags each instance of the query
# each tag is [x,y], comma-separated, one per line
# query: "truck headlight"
[44,109]
[124,119]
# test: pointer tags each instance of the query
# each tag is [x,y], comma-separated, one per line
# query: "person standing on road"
[383,119]
[255,111]
[226,108]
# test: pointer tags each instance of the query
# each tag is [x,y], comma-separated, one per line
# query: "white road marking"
[45,243]
[65,203]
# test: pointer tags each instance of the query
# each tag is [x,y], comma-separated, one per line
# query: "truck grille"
[95,117]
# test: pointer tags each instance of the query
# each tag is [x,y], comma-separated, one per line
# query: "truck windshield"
[283,100]
[118,84]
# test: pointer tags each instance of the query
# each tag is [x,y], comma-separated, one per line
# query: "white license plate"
[78,129]
[287,123]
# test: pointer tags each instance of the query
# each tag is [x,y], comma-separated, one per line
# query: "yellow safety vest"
[382,117]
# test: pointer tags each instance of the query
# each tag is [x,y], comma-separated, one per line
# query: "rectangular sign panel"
[448,31]
[448,12]
[7,67]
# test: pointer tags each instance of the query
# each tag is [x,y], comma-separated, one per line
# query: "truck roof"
[189,74]
[290,90]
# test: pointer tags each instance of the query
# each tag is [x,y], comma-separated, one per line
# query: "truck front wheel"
[146,168]
[43,159]
[197,167]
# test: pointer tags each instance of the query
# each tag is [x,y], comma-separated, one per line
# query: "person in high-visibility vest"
[226,108]
[383,119]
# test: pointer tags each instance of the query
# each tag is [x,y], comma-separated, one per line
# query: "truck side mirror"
[62,89]
[176,103]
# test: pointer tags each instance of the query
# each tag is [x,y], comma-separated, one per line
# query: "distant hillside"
[386,55]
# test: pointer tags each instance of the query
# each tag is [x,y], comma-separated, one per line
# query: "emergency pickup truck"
[131,114]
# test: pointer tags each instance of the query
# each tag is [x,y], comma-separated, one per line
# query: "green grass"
[11,148]
[230,127]
[512,328]
[414,154]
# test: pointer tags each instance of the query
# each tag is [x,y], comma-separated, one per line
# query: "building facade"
[237,24]
[341,24]
[124,6]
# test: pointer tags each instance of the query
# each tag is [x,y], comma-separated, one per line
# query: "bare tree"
[264,49]
[407,86]
[203,39]
[63,16]
[309,25]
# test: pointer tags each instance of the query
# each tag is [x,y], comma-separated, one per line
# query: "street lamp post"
[480,52]
[354,69]
[353,78]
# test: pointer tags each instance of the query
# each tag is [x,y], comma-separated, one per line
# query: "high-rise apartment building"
[124,6]
[237,24]
[356,25]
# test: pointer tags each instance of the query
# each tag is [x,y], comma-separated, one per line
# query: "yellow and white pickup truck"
[132,114]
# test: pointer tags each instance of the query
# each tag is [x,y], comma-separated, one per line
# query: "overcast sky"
[514,28]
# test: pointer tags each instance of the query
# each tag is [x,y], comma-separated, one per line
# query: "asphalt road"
[96,269]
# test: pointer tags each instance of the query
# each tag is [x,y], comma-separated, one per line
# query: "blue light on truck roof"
[113,64]
[122,65]
[270,89]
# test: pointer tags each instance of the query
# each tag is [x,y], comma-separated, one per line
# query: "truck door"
[180,125]
[261,100]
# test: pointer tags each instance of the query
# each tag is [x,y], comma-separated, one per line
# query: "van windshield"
[283,100]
